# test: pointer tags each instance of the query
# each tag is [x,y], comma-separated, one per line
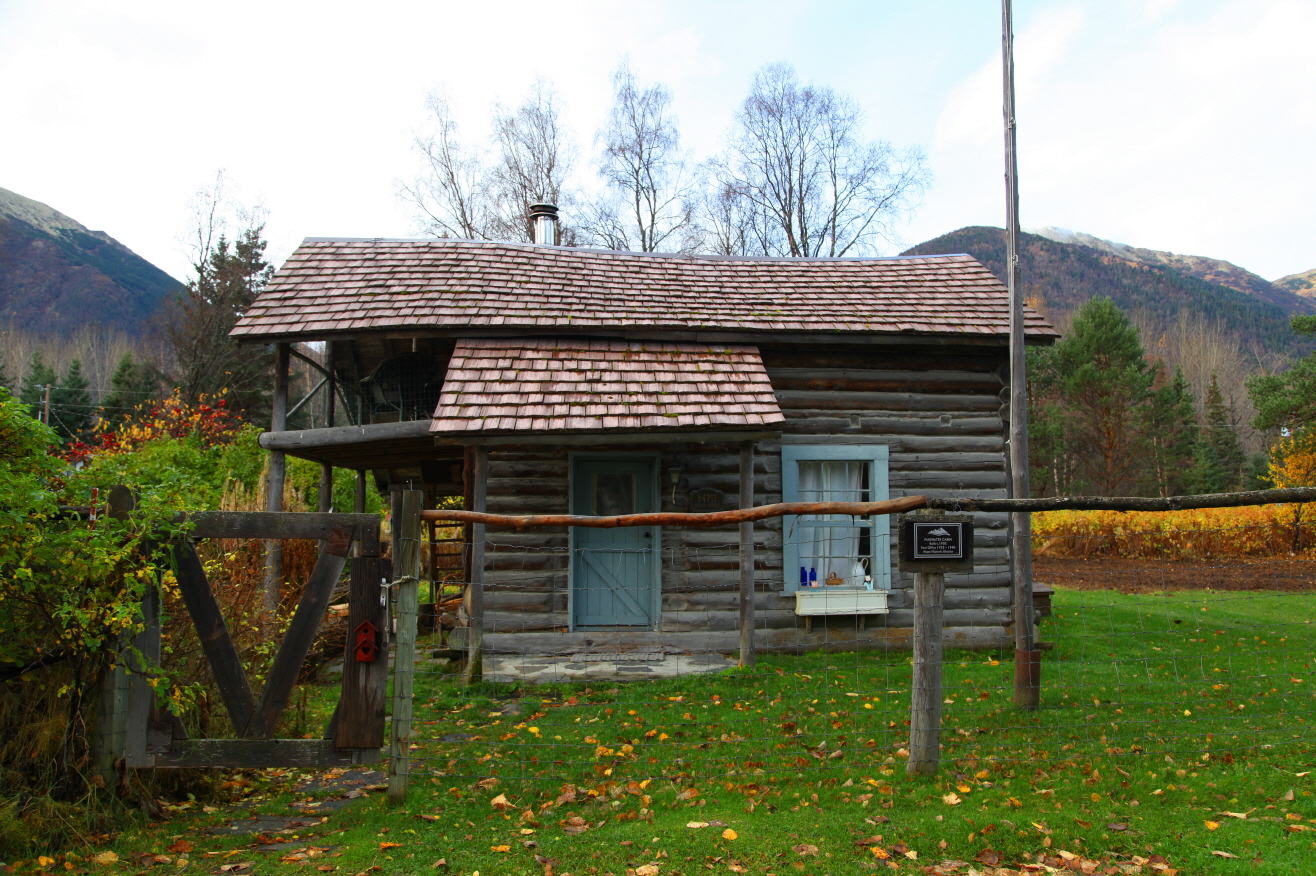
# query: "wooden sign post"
[931,544]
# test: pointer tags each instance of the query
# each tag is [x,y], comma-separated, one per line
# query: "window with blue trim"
[835,550]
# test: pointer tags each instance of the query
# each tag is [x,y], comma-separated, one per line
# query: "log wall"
[939,412]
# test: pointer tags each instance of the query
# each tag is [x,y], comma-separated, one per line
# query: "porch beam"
[746,556]
[475,586]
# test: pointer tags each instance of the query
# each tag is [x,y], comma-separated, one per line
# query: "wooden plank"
[363,701]
[300,636]
[252,753]
[746,558]
[216,642]
[474,596]
[884,401]
[279,524]
[406,546]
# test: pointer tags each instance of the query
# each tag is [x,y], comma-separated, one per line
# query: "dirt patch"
[1284,574]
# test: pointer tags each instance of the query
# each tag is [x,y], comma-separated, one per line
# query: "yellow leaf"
[647,870]
[1014,802]
[500,848]
[1212,825]
[729,834]
[951,799]
[43,861]
[106,858]
[963,789]
[695,825]
[500,802]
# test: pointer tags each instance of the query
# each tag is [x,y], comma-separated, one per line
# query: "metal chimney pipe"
[543,219]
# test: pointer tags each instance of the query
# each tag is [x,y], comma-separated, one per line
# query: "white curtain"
[832,549]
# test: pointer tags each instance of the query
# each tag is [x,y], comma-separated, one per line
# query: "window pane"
[614,494]
[835,552]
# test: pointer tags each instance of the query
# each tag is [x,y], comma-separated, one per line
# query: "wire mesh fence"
[1179,654]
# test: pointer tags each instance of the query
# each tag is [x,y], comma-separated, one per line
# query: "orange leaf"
[729,834]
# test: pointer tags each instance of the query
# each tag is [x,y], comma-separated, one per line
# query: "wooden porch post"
[274,495]
[475,586]
[747,556]
[359,502]
[327,469]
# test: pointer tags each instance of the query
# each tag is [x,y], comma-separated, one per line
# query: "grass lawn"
[1174,733]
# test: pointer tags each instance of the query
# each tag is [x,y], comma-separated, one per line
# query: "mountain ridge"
[1064,276]
[1211,270]
[57,275]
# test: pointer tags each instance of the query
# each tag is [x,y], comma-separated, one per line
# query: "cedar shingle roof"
[547,385]
[329,286]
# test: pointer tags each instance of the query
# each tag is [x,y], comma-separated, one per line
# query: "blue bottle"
[804,577]
[813,577]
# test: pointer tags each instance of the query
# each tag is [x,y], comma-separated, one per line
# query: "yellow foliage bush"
[1209,533]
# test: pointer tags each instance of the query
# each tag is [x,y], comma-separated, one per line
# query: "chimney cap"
[543,210]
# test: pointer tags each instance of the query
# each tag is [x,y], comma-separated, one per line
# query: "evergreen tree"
[1172,432]
[1105,383]
[71,410]
[1287,400]
[1220,459]
[196,325]
[134,384]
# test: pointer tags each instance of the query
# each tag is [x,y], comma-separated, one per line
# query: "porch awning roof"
[543,386]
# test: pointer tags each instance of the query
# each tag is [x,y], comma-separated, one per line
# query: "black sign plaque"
[707,500]
[936,543]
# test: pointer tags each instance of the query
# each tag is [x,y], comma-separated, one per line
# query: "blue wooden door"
[614,572]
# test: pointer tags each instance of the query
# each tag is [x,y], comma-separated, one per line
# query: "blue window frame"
[855,550]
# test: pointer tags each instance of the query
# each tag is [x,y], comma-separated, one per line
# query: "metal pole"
[1027,682]
[45,407]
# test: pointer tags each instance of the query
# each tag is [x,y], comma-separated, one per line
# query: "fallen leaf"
[106,858]
[575,825]
[1117,825]
[951,799]
[236,868]
[181,847]
[1288,795]
[1242,815]
[500,802]
[729,834]
[441,862]
[1212,825]
[990,857]
[326,868]
[500,848]
[1224,855]
[383,846]
[696,825]
[805,849]
[647,870]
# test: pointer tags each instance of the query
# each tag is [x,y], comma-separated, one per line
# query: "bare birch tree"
[535,158]
[451,195]
[648,207]
[796,156]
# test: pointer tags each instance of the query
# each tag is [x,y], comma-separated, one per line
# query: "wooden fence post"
[925,695]
[475,586]
[112,711]
[406,571]
[747,557]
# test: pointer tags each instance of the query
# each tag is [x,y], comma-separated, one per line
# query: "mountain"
[56,275]
[1065,275]
[1216,271]
[1303,284]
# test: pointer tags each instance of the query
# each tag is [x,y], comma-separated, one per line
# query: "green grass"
[1160,713]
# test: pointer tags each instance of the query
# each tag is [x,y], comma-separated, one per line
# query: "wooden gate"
[152,737]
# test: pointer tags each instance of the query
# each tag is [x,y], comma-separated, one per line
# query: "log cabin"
[539,378]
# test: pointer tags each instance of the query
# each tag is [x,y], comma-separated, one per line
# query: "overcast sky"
[1185,126]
